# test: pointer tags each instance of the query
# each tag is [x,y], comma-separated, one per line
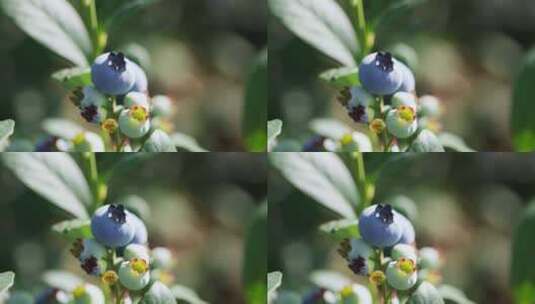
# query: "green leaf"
[61,128]
[454,295]
[522,272]
[126,10]
[330,280]
[7,127]
[55,176]
[53,23]
[6,281]
[255,255]
[522,122]
[74,229]
[159,141]
[426,141]
[330,128]
[255,110]
[453,142]
[341,77]
[73,77]
[186,294]
[321,23]
[62,280]
[425,293]
[341,229]
[274,281]
[322,176]
[186,142]
[274,129]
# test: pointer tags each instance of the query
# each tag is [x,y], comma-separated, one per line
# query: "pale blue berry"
[379,225]
[112,226]
[379,74]
[113,74]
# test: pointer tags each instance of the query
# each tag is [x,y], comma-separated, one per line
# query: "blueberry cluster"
[118,101]
[386,253]
[119,256]
[386,102]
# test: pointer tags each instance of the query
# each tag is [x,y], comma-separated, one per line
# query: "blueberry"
[113,74]
[112,226]
[92,105]
[408,83]
[408,235]
[137,251]
[136,99]
[404,99]
[404,251]
[379,74]
[91,255]
[140,235]
[357,252]
[158,293]
[162,258]
[141,83]
[88,294]
[379,225]
[429,258]
[401,122]
[401,274]
[134,122]
[134,274]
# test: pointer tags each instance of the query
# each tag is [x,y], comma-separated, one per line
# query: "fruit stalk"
[361,29]
[91,172]
[91,21]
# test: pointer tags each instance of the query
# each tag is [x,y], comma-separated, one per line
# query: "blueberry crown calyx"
[117,213]
[384,61]
[384,213]
[117,61]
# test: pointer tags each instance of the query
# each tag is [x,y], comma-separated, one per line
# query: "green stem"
[91,22]
[360,26]
[360,180]
[91,173]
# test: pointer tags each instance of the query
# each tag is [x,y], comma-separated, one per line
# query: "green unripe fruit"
[158,293]
[401,274]
[134,274]
[401,122]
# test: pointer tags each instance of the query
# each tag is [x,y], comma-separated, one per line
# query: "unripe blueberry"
[357,252]
[404,251]
[91,256]
[357,101]
[162,106]
[92,105]
[356,293]
[404,99]
[429,258]
[379,74]
[113,74]
[158,293]
[426,293]
[112,226]
[401,122]
[408,236]
[379,225]
[401,274]
[141,234]
[52,296]
[134,122]
[408,83]
[137,251]
[134,274]
[141,83]
[86,142]
[136,99]
[430,106]
[88,294]
[162,258]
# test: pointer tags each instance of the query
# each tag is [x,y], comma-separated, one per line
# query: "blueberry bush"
[396,236]
[407,75]
[113,256]
[108,85]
